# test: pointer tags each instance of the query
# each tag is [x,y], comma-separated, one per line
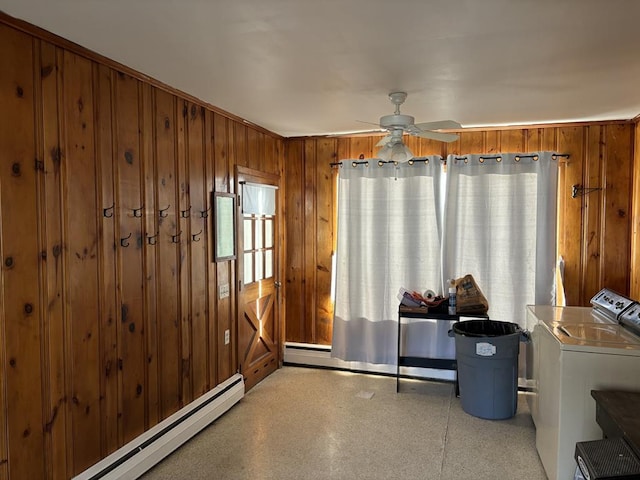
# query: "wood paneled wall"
[110,320]
[594,230]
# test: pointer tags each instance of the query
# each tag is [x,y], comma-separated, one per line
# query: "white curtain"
[414,226]
[388,237]
[500,226]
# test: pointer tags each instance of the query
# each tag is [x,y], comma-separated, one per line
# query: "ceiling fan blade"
[440,125]
[383,141]
[370,123]
[442,137]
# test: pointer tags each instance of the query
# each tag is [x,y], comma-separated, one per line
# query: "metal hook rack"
[195,235]
[185,213]
[578,190]
[176,238]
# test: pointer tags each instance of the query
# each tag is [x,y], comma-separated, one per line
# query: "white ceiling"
[302,67]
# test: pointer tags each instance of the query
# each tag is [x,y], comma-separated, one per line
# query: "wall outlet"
[227,337]
[223,291]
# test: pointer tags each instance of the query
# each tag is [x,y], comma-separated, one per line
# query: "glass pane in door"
[259,238]
[248,233]
[259,266]
[268,232]
[248,268]
[268,263]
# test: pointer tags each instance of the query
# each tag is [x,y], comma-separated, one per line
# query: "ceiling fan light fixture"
[397,153]
[385,153]
[401,153]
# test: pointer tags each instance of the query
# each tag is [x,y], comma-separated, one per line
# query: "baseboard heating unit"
[319,356]
[145,451]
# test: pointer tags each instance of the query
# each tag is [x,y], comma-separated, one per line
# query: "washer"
[576,350]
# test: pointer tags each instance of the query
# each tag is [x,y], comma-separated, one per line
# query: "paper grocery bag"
[469,296]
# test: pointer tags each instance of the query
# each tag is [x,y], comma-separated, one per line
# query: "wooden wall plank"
[150,253]
[295,221]
[168,260]
[128,163]
[51,231]
[472,142]
[184,263]
[571,139]
[532,140]
[361,146]
[343,148]
[309,264]
[617,205]
[240,144]
[255,150]
[325,238]
[431,147]
[109,385]
[592,208]
[512,141]
[20,295]
[81,231]
[492,140]
[198,249]
[549,140]
[209,266]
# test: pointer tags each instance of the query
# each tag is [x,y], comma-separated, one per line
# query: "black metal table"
[426,362]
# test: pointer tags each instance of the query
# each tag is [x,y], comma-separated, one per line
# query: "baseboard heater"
[319,356]
[145,451]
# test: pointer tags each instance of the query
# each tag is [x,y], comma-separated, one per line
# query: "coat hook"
[163,212]
[152,239]
[578,190]
[124,242]
[204,213]
[137,212]
[108,212]
[176,238]
[193,237]
[185,213]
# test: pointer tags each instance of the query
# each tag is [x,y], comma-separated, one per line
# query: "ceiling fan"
[398,124]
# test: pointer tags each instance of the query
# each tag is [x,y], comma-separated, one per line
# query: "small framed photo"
[224,226]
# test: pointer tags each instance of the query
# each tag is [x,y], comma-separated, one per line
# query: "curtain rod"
[425,160]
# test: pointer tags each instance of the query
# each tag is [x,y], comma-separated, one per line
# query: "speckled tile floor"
[302,423]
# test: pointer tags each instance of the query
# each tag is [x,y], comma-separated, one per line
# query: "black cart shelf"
[426,362]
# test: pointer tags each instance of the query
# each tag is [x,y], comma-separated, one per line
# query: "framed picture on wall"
[224,226]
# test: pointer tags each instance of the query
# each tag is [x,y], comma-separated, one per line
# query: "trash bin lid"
[485,328]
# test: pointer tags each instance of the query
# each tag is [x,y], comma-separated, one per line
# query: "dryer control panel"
[630,318]
[610,303]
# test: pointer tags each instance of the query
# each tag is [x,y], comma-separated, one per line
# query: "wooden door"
[258,298]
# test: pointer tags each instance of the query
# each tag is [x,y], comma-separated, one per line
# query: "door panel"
[258,299]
